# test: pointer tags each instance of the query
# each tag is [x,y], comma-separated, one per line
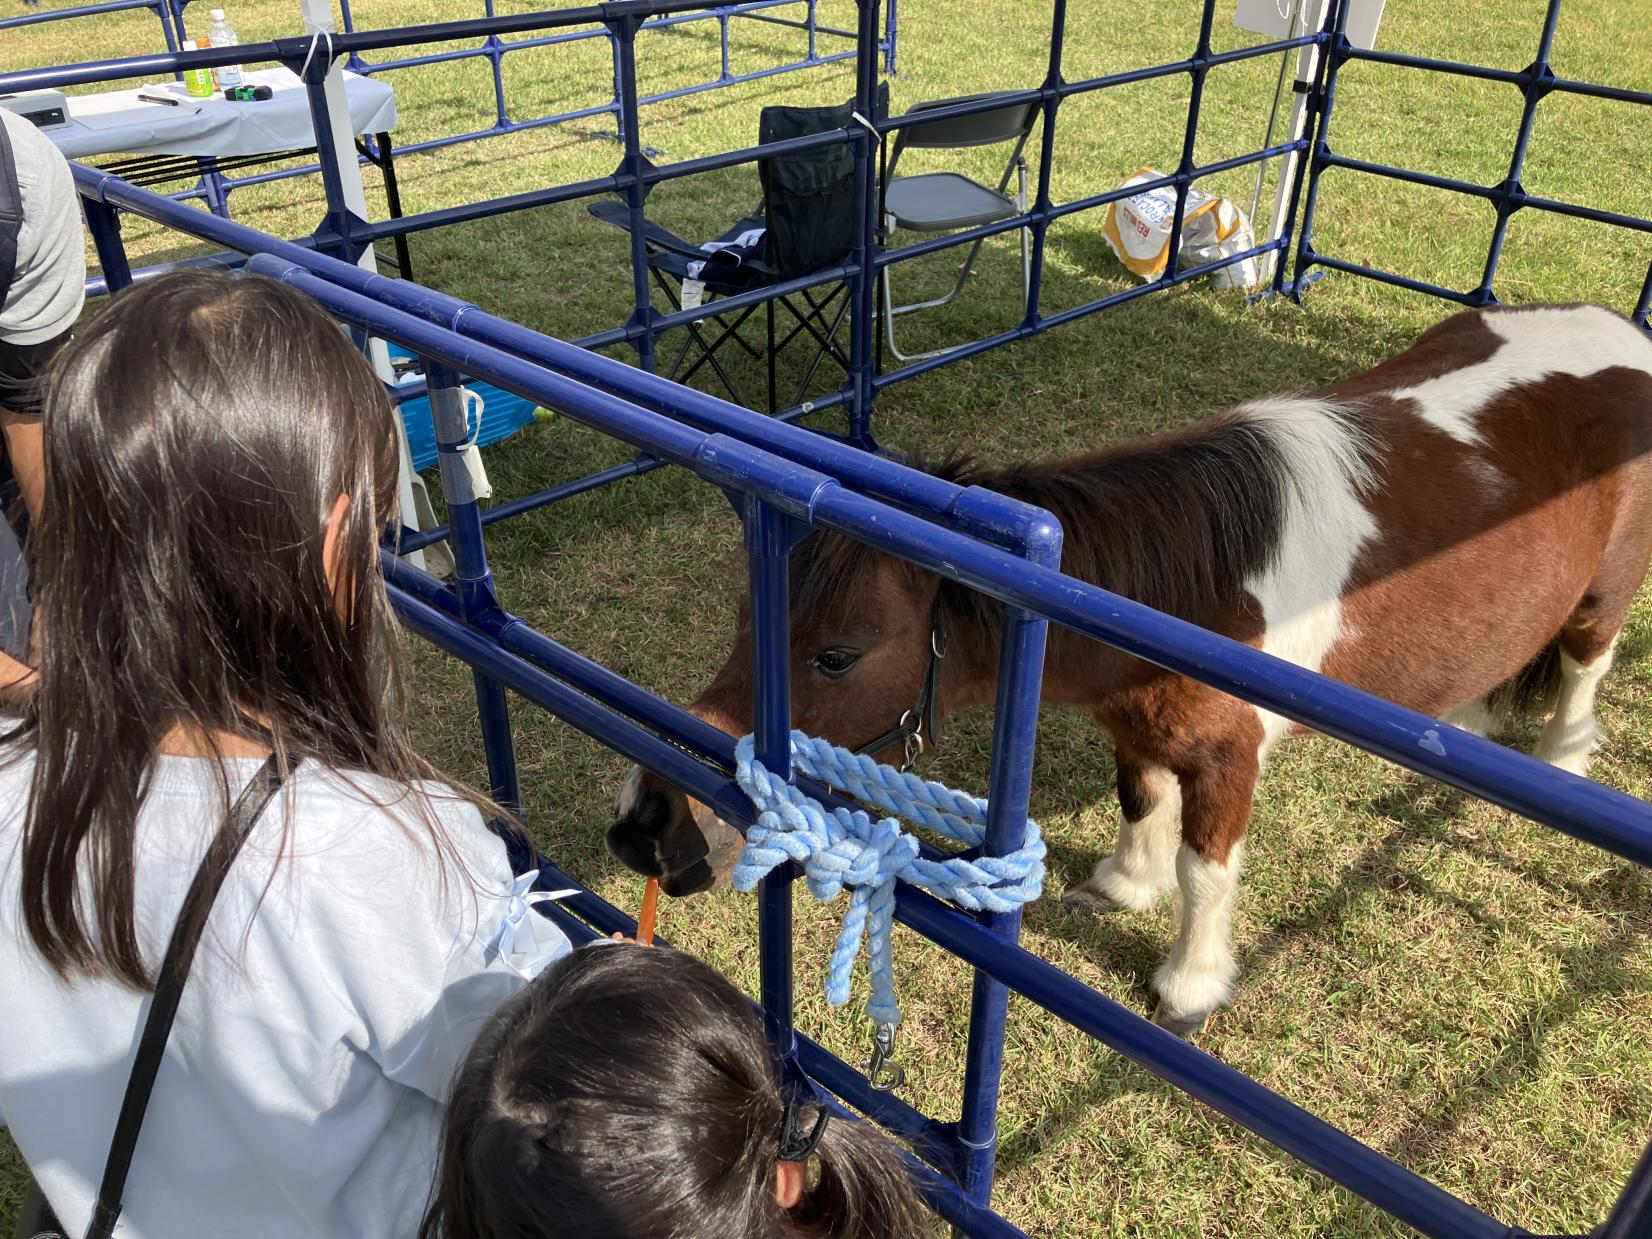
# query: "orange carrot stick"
[645,921]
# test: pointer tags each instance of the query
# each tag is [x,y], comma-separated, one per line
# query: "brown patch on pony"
[1460,341]
[1564,449]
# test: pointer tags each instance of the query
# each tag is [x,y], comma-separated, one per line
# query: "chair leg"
[708,353]
[964,273]
[768,307]
[814,321]
[831,337]
[677,304]
[890,310]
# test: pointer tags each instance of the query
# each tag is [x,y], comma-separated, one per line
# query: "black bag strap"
[169,988]
[11,213]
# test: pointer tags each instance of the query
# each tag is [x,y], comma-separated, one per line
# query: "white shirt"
[48,289]
[333,997]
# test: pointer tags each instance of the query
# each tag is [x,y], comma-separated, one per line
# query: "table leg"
[393,199]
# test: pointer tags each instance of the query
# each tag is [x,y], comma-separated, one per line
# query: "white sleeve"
[427,952]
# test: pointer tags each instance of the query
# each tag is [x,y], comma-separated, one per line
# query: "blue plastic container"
[502,416]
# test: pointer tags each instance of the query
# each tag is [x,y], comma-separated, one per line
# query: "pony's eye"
[834,662]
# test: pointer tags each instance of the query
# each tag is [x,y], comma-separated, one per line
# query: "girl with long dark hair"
[220,463]
[629,1093]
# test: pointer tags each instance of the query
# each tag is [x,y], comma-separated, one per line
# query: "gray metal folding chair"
[948,201]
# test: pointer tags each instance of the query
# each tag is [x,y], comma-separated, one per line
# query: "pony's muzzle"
[660,833]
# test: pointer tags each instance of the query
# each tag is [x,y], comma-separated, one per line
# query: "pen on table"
[171,103]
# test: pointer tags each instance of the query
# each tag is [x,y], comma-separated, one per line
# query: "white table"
[117,120]
[202,138]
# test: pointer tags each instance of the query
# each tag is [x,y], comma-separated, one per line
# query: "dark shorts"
[21,365]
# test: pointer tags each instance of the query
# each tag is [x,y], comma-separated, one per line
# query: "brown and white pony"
[1429,531]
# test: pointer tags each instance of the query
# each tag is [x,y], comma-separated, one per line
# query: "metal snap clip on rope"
[883,1073]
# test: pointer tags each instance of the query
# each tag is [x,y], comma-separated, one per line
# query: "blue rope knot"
[847,849]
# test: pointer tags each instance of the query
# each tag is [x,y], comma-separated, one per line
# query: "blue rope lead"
[841,848]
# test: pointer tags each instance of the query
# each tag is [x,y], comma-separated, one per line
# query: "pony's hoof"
[1089,902]
[1184,1026]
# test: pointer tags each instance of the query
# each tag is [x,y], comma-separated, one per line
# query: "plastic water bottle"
[222,34]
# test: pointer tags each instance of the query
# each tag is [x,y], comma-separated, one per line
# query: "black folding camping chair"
[806,224]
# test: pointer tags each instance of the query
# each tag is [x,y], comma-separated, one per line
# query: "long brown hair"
[629,1092]
[197,437]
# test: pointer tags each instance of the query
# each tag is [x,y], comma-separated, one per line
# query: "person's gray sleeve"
[48,290]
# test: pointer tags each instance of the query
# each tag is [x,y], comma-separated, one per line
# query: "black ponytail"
[630,1092]
[862,1192]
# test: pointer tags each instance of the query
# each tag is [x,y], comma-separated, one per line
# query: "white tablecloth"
[118,120]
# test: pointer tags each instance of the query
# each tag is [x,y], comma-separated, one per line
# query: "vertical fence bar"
[863,285]
[1511,194]
[472,579]
[1046,162]
[163,10]
[1643,307]
[495,48]
[813,22]
[768,549]
[1015,732]
[891,32]
[1190,139]
[176,9]
[722,24]
[1632,1214]
[355,63]
[103,221]
[336,228]
[1336,48]
[623,33]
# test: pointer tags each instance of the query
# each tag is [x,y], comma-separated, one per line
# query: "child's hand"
[619,937]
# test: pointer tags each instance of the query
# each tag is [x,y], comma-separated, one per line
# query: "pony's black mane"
[1177,521]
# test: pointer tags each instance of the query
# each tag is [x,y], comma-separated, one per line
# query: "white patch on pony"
[627,798]
[1571,735]
[1143,864]
[1198,976]
[1575,340]
[1323,526]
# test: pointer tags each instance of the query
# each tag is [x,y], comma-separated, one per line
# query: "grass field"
[1459,988]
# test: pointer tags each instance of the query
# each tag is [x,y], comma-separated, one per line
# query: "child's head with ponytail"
[630,1092]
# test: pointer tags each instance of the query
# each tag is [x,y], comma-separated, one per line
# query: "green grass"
[1461,989]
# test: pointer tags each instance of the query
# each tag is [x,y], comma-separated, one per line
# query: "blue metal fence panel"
[1535,83]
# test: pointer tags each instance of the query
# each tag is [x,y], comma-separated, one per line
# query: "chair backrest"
[808,196]
[1010,123]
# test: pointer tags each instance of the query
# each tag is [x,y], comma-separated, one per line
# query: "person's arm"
[24,441]
[16,681]
[429,950]
[45,297]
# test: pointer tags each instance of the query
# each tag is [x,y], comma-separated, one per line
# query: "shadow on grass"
[1422,813]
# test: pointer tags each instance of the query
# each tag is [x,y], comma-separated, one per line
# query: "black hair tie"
[796,1145]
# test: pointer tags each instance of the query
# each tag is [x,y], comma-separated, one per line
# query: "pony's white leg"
[1477,717]
[1198,976]
[1571,734]
[1143,864]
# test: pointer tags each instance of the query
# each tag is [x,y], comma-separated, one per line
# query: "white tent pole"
[1307,64]
[318,19]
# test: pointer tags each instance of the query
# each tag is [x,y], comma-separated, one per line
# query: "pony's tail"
[864,1190]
